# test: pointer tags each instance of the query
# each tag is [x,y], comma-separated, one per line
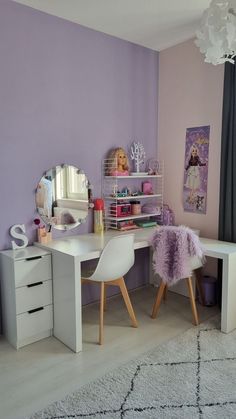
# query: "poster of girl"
[196,169]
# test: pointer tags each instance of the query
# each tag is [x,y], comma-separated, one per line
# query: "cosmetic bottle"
[98,222]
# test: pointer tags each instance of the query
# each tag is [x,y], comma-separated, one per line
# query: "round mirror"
[62,198]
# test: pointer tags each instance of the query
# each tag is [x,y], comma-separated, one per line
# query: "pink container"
[147,188]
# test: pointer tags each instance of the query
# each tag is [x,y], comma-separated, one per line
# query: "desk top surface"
[89,246]
[216,248]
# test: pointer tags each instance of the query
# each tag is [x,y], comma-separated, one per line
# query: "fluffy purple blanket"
[173,248]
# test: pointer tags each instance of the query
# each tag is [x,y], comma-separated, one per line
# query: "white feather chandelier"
[216,36]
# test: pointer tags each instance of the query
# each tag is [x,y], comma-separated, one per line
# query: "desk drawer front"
[32,270]
[31,324]
[33,296]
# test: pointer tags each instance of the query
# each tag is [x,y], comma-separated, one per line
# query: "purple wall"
[68,94]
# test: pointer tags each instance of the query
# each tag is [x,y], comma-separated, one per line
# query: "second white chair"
[115,261]
[177,253]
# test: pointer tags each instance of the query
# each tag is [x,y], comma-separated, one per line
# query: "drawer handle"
[33,258]
[35,284]
[35,309]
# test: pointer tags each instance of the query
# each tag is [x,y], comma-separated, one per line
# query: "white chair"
[115,261]
[171,243]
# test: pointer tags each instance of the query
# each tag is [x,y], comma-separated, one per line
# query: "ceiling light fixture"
[216,36]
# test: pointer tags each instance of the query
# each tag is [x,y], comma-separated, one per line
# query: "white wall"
[190,95]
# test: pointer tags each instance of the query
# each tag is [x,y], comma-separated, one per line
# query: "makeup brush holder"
[44,236]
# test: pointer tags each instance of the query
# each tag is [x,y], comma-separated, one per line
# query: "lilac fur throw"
[173,248]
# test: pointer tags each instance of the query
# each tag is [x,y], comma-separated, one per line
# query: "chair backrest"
[116,259]
[177,251]
[196,262]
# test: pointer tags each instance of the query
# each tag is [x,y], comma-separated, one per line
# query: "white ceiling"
[156,24]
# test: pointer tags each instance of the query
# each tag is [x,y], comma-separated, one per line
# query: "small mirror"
[62,198]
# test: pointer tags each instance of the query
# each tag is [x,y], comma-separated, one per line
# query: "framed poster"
[196,169]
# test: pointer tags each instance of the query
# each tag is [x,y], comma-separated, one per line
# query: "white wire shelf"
[113,186]
[130,198]
[134,177]
[132,217]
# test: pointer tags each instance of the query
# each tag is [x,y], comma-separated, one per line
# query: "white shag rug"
[191,376]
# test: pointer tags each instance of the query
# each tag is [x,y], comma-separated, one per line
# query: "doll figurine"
[119,165]
[193,175]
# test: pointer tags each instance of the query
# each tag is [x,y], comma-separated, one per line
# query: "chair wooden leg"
[101,314]
[159,296]
[192,301]
[105,297]
[124,292]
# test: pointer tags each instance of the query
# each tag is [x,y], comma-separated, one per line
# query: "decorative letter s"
[19,236]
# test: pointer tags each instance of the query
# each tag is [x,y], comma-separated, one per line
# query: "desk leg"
[228,309]
[67,300]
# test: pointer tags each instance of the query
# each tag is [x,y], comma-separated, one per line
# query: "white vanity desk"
[68,253]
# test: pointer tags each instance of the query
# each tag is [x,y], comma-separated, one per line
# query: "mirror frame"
[59,215]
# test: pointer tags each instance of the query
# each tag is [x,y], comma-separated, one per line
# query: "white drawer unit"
[26,294]
[35,268]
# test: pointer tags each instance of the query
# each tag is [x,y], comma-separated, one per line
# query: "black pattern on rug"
[191,395]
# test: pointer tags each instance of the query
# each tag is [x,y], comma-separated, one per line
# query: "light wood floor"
[45,371]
